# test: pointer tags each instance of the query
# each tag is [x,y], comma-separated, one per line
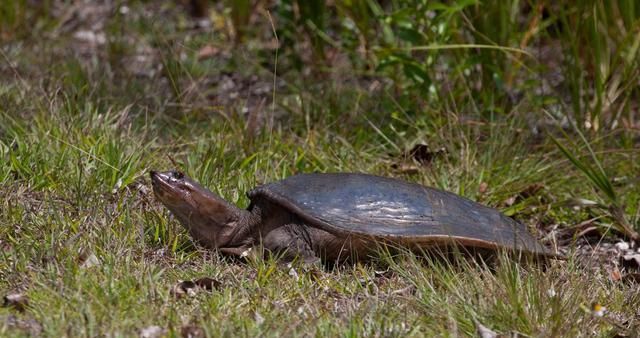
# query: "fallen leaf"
[293,273]
[192,331]
[423,154]
[510,201]
[406,291]
[631,261]
[152,331]
[208,283]
[622,246]
[182,288]
[207,52]
[258,317]
[483,187]
[420,153]
[90,262]
[388,273]
[17,301]
[615,274]
[246,253]
[580,202]
[96,38]
[530,190]
[190,288]
[484,331]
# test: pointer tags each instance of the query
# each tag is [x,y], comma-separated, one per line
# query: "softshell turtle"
[338,216]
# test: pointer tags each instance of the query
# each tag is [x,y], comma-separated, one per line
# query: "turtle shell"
[394,210]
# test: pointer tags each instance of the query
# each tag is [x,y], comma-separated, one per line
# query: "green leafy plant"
[600,181]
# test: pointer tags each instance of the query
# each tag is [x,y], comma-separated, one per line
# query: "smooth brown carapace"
[338,216]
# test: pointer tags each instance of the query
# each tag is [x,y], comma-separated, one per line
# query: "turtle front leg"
[291,241]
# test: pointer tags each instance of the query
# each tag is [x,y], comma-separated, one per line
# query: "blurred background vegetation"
[577,60]
[528,106]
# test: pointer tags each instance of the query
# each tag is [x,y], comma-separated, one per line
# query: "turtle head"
[211,220]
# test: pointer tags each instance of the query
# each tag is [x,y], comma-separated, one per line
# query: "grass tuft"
[94,95]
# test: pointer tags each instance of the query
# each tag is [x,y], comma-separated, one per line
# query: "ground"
[522,107]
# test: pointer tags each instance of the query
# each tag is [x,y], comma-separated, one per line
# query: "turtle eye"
[178,175]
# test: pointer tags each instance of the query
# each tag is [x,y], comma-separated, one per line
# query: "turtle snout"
[168,180]
[159,179]
[166,176]
[165,186]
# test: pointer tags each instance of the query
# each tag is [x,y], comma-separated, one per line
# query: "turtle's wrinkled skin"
[338,216]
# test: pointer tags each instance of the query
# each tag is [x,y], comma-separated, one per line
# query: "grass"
[81,124]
